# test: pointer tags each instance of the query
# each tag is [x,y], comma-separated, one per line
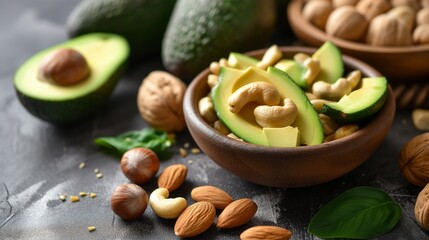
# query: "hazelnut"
[139,165]
[63,66]
[317,12]
[421,209]
[414,160]
[129,201]
[346,23]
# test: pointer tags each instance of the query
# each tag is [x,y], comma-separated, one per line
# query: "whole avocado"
[202,31]
[141,22]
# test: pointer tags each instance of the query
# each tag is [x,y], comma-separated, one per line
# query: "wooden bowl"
[398,64]
[288,167]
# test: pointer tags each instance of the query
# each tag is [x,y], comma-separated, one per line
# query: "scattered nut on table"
[160,99]
[414,160]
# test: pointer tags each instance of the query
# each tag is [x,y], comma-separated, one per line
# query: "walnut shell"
[414,4]
[346,23]
[317,12]
[387,30]
[421,209]
[160,99]
[414,160]
[421,34]
[372,8]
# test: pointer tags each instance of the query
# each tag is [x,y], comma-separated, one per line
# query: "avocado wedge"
[360,104]
[106,55]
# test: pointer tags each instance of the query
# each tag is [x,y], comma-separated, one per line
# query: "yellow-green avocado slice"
[106,55]
[243,125]
[360,104]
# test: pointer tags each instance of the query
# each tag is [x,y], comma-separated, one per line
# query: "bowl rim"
[190,105]
[296,18]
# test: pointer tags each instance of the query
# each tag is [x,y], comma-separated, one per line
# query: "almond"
[266,232]
[218,197]
[196,219]
[237,213]
[172,177]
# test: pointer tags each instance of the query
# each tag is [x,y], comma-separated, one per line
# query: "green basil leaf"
[156,140]
[359,213]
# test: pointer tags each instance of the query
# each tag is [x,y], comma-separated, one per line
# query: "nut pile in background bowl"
[390,35]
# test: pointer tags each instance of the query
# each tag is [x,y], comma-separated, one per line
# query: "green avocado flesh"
[244,125]
[241,61]
[106,55]
[331,66]
[294,69]
[331,63]
[360,104]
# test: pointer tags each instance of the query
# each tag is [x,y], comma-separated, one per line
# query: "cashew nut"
[333,91]
[166,207]
[205,106]
[318,104]
[345,130]
[329,125]
[212,80]
[337,90]
[271,56]
[354,78]
[312,65]
[233,136]
[276,116]
[260,92]
[220,127]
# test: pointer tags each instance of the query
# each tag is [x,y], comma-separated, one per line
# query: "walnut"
[346,23]
[160,99]
[421,209]
[372,8]
[414,160]
[317,12]
[388,30]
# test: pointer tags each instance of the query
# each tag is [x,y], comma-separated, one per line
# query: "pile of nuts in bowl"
[375,22]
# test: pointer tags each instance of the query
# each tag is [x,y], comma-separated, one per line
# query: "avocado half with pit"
[106,56]
[244,125]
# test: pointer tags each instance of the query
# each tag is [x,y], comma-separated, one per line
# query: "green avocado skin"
[202,31]
[141,22]
[77,109]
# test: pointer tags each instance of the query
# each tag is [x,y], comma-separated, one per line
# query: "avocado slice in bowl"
[106,56]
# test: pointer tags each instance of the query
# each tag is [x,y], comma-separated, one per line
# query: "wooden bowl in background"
[398,64]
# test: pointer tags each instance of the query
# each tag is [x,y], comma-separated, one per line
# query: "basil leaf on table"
[359,213]
[156,140]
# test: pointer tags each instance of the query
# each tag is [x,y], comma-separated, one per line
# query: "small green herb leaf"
[156,140]
[359,213]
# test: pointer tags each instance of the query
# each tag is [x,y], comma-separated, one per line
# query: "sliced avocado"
[241,61]
[360,104]
[200,32]
[106,55]
[331,63]
[294,69]
[141,22]
[282,137]
[244,124]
